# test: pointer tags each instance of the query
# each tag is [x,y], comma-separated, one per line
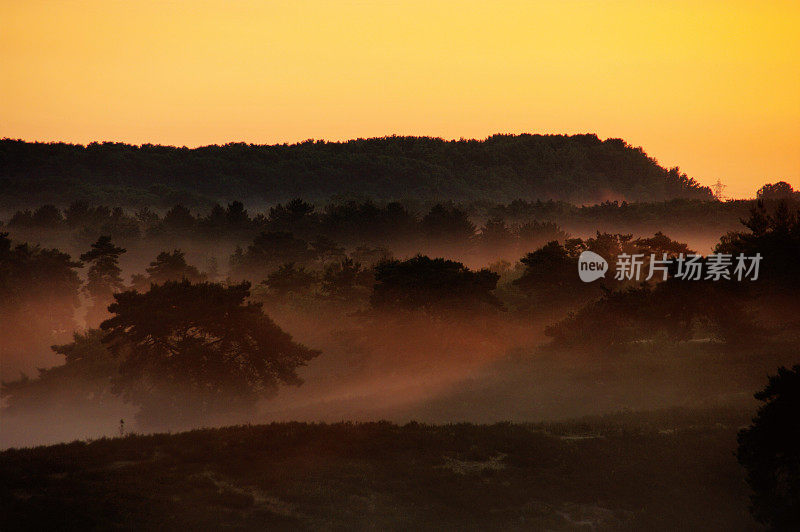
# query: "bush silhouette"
[770,452]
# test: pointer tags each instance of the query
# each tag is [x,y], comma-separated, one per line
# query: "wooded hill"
[579,169]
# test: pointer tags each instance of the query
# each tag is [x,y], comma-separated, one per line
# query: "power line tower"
[718,188]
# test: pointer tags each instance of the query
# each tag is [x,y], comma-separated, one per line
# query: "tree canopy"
[770,452]
[578,168]
[435,286]
[39,291]
[193,350]
[104,276]
[168,266]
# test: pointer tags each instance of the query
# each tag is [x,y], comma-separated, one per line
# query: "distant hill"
[578,168]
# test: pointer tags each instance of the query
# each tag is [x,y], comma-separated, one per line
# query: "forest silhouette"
[577,168]
[178,317]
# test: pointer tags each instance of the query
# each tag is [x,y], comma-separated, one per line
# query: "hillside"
[579,169]
[665,471]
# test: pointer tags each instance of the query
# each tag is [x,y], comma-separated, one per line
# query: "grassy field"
[668,470]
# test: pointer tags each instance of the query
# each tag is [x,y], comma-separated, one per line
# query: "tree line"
[175,328]
[576,168]
[496,225]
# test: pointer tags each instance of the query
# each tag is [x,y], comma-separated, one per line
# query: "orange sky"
[713,87]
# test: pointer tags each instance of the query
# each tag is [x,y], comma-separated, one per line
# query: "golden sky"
[713,87]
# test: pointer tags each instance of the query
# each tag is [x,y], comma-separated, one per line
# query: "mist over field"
[313,268]
[119,321]
[400,266]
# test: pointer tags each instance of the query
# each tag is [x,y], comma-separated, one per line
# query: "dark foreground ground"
[661,471]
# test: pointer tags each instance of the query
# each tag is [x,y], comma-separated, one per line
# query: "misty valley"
[310,357]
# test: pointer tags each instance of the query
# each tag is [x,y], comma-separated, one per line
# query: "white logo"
[691,267]
[591,266]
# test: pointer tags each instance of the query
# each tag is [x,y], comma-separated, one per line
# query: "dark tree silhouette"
[435,286]
[295,216]
[179,219]
[167,267]
[770,452]
[390,225]
[535,234]
[236,216]
[777,191]
[39,291]
[83,381]
[579,168]
[30,274]
[550,279]
[47,217]
[674,310]
[103,279]
[146,217]
[78,213]
[192,351]
[448,223]
[347,281]
[660,244]
[495,236]
[269,250]
[776,237]
[327,250]
[289,279]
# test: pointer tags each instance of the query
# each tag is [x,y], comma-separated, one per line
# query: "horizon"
[709,88]
[725,197]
